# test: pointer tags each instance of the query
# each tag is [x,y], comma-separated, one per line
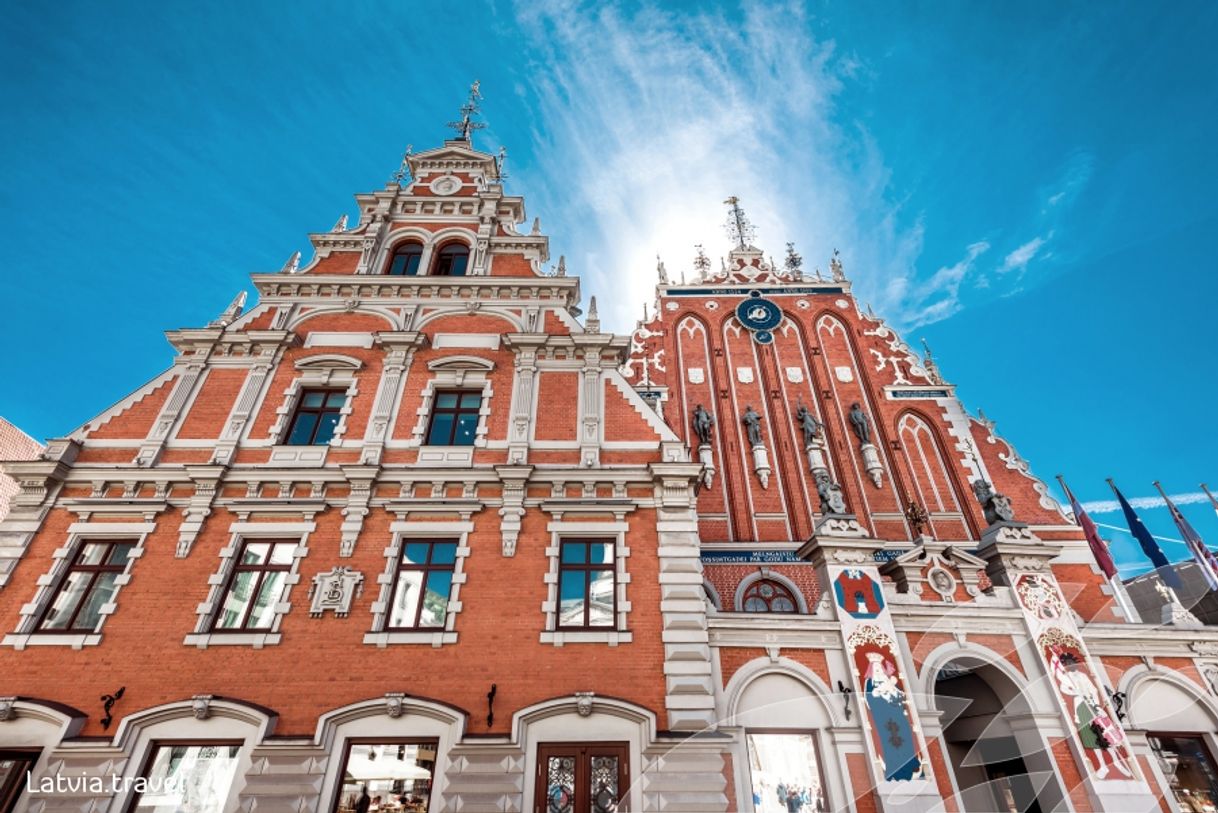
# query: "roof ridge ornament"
[702,263]
[835,265]
[404,168]
[292,265]
[466,125]
[739,228]
[592,323]
[661,271]
[231,313]
[341,225]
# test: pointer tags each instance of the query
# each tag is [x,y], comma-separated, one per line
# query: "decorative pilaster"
[525,347]
[513,480]
[361,479]
[39,481]
[1019,560]
[590,424]
[206,479]
[844,556]
[400,349]
[183,392]
[690,693]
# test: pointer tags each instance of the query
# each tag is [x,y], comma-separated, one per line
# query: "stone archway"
[998,757]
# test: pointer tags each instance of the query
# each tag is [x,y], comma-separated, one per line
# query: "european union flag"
[1149,546]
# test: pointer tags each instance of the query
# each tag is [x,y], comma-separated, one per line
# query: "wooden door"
[582,777]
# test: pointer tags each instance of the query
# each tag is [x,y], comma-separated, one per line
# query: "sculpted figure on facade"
[808,424]
[997,506]
[703,423]
[752,426]
[831,500]
[860,423]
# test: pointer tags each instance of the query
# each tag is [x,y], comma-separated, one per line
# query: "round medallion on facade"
[841,303]
[712,305]
[758,314]
[445,185]
[942,582]
[802,304]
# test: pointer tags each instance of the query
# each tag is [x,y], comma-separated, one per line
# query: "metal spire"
[702,263]
[928,364]
[738,226]
[466,125]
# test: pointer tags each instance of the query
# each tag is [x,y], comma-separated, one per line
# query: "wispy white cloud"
[939,296]
[648,119]
[1112,506]
[1018,259]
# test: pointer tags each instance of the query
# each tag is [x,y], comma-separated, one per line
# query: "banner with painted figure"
[888,711]
[1078,689]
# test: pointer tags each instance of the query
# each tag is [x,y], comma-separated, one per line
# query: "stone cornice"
[562,291]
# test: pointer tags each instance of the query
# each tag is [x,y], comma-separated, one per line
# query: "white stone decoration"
[871,463]
[200,704]
[744,375]
[696,375]
[844,374]
[761,465]
[335,591]
[816,456]
[795,375]
[712,305]
[841,303]
[8,709]
[445,185]
[707,458]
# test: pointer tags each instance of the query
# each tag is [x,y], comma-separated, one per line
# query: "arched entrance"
[996,753]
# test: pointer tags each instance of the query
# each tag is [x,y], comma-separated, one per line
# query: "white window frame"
[403,532]
[614,532]
[79,533]
[461,379]
[766,574]
[204,635]
[314,378]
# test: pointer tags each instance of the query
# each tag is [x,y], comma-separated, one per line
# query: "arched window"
[766,596]
[405,260]
[451,261]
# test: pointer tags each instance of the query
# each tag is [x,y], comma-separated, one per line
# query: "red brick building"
[412,526]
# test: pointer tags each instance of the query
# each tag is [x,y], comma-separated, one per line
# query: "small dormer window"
[451,261]
[405,260]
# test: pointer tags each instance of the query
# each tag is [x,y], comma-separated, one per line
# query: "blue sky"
[1027,186]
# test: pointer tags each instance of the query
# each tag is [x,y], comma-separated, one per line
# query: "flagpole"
[1149,547]
[1202,555]
[1213,501]
[1119,593]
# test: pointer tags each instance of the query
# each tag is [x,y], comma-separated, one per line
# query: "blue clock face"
[759,315]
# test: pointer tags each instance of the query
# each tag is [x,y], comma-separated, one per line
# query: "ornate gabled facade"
[408,525]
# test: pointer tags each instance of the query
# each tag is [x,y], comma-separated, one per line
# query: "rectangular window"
[394,776]
[1189,768]
[586,585]
[454,419]
[255,586]
[86,587]
[317,415]
[188,776]
[14,767]
[422,586]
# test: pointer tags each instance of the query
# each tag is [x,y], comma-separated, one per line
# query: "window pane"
[571,598]
[120,553]
[600,593]
[467,430]
[336,399]
[471,399]
[65,603]
[102,593]
[195,778]
[396,772]
[435,599]
[282,553]
[412,263]
[406,599]
[754,605]
[446,400]
[313,399]
[441,430]
[574,552]
[238,598]
[255,553]
[415,553]
[263,614]
[602,553]
[302,429]
[782,604]
[325,428]
[444,553]
[456,266]
[92,553]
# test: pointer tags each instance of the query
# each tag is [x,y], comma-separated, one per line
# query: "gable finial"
[341,225]
[661,271]
[562,266]
[592,323]
[928,364]
[739,228]
[231,313]
[536,226]
[292,265]
[467,125]
[793,262]
[404,168]
[501,163]
[835,266]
